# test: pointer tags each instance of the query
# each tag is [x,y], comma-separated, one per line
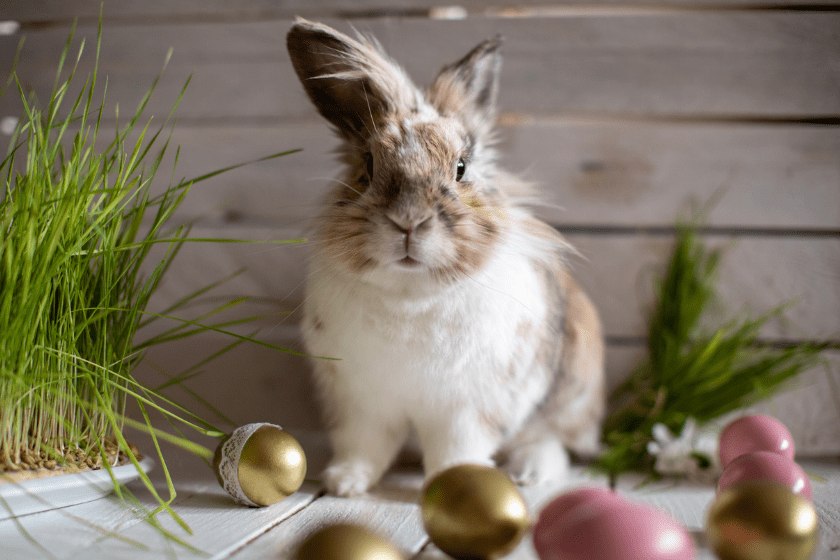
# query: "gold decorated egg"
[474,512]
[260,464]
[757,520]
[346,542]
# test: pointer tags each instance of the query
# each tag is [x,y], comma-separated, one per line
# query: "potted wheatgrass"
[78,228]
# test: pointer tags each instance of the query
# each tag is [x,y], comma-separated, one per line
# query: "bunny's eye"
[369,164]
[460,169]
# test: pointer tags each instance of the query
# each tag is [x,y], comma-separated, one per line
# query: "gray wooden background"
[625,112]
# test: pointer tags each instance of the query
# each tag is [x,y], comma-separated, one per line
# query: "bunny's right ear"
[469,87]
[351,82]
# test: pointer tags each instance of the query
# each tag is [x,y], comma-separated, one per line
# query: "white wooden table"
[221,529]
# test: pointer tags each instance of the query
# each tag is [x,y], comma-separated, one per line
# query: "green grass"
[691,373]
[76,275]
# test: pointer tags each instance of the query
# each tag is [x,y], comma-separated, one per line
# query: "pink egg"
[754,433]
[607,528]
[766,465]
[554,516]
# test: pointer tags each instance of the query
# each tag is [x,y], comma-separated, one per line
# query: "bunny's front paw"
[539,463]
[348,478]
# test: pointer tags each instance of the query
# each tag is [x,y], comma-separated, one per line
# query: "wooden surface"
[745,64]
[221,529]
[624,112]
[781,179]
[127,12]
[625,118]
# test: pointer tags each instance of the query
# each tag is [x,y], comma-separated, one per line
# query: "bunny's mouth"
[408,262]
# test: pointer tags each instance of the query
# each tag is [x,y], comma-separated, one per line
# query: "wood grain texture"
[757,274]
[618,273]
[219,526]
[249,384]
[812,405]
[127,12]
[827,502]
[390,510]
[57,533]
[256,384]
[638,174]
[625,111]
[592,174]
[754,64]
[90,530]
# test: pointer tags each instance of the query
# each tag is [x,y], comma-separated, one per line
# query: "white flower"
[692,455]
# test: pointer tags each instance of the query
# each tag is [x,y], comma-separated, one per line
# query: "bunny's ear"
[351,82]
[470,86]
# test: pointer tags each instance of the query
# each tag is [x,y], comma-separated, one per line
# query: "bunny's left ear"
[351,82]
[471,85]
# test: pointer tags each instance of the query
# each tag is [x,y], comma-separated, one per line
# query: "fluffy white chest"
[464,344]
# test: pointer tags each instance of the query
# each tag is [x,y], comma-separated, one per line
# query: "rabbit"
[447,306]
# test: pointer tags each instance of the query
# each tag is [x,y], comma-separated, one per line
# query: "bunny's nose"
[407,225]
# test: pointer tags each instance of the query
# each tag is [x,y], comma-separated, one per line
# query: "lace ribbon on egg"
[229,464]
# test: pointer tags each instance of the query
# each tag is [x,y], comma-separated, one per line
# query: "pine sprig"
[694,374]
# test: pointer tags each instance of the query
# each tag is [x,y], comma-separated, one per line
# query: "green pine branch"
[689,373]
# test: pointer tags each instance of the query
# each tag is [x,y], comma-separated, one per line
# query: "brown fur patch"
[344,234]
[525,330]
[351,81]
[571,346]
[579,402]
[551,341]
[448,95]
[479,221]
[468,88]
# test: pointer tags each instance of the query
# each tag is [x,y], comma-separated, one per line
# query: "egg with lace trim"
[260,464]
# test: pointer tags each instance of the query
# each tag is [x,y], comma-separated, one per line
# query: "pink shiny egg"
[766,465]
[609,528]
[754,433]
[555,514]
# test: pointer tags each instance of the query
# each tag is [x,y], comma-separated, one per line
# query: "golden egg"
[759,520]
[474,512]
[346,542]
[268,466]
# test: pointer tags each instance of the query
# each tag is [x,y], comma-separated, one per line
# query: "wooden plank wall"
[624,112]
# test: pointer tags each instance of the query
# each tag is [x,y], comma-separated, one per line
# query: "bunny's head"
[419,198]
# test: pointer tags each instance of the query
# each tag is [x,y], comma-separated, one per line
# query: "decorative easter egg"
[474,512]
[754,433]
[555,516]
[612,529]
[346,542]
[757,520]
[766,465]
[260,464]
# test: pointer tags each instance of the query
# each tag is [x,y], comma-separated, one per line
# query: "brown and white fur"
[448,306]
